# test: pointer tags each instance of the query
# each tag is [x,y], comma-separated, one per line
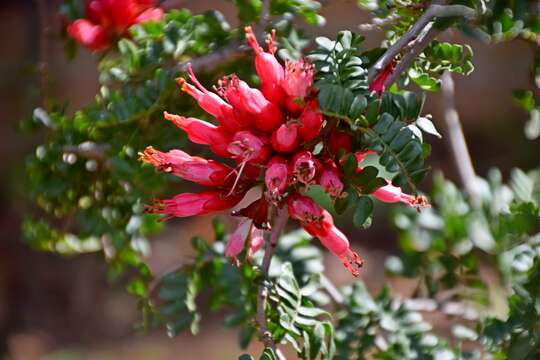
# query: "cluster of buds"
[108,20]
[269,136]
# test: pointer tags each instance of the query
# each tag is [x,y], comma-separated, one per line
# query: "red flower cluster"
[269,134]
[107,20]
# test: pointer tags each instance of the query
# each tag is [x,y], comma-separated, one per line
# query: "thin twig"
[279,223]
[437,9]
[414,50]
[458,145]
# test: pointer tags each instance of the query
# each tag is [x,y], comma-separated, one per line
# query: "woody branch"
[415,40]
[262,295]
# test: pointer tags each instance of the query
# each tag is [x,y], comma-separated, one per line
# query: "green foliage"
[448,245]
[437,58]
[384,328]
[342,80]
[295,294]
[298,319]
[232,288]
[385,125]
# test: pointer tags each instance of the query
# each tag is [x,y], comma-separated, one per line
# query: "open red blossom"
[269,137]
[107,20]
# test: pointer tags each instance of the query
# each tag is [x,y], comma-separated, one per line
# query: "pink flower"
[251,104]
[88,34]
[339,140]
[276,177]
[304,209]
[330,181]
[285,138]
[109,19]
[310,124]
[319,223]
[268,136]
[245,146]
[305,167]
[202,132]
[297,82]
[377,84]
[191,204]
[393,194]
[191,168]
[268,68]
[236,241]
[210,102]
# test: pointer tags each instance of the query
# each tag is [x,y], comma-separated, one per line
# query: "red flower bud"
[305,167]
[285,138]
[339,140]
[257,240]
[92,36]
[377,84]
[202,132]
[268,67]
[311,124]
[393,194]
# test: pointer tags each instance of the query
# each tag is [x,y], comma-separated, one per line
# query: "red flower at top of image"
[107,20]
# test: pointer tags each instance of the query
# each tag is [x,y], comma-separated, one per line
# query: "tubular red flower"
[191,168]
[245,146]
[152,14]
[319,223]
[298,78]
[335,241]
[191,204]
[305,167]
[109,19]
[377,84]
[393,194]
[276,177]
[210,102]
[330,181]
[311,124]
[339,140]
[92,36]
[285,138]
[256,240]
[268,68]
[236,241]
[305,210]
[202,132]
[263,114]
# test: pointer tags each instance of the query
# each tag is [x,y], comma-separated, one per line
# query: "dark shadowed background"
[53,307]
